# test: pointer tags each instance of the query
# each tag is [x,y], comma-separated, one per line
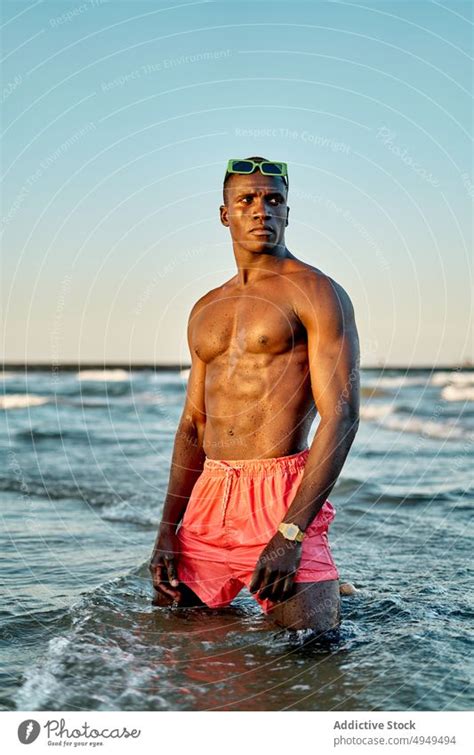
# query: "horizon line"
[173,366]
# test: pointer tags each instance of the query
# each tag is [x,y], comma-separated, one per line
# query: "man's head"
[255,208]
[238,165]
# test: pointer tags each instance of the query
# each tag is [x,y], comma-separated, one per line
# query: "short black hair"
[257,159]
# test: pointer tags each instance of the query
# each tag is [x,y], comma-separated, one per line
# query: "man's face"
[256,211]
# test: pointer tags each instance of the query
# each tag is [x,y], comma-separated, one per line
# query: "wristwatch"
[291,532]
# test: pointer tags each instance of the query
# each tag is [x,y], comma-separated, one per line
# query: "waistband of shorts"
[291,463]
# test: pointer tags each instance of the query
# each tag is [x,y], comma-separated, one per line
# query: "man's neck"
[251,266]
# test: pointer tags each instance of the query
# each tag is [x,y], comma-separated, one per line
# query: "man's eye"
[247,199]
[275,200]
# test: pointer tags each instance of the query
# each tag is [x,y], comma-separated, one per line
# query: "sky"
[118,119]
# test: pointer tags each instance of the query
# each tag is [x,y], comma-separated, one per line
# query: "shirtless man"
[270,348]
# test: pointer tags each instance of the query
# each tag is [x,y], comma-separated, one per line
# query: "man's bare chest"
[252,324]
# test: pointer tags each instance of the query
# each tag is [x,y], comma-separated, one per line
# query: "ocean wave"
[460,392]
[92,437]
[394,381]
[99,661]
[455,377]
[121,679]
[22,400]
[90,403]
[388,416]
[421,493]
[43,682]
[76,394]
[115,389]
[126,512]
[38,434]
[371,491]
[170,378]
[150,397]
[54,489]
[429,428]
[376,411]
[368,391]
[117,375]
[349,485]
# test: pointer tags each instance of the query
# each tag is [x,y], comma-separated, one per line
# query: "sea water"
[85,465]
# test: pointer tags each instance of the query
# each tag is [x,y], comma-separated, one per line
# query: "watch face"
[291,530]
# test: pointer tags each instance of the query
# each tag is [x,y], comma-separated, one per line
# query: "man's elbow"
[351,421]
[191,427]
[347,417]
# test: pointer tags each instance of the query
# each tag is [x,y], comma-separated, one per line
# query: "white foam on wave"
[429,428]
[458,393]
[43,681]
[121,679]
[126,512]
[118,375]
[375,411]
[454,377]
[394,381]
[21,400]
[384,415]
[148,397]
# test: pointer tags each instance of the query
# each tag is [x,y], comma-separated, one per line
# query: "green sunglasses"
[266,168]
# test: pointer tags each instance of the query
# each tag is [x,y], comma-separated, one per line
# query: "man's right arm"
[186,466]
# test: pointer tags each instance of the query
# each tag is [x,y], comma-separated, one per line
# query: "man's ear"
[287,214]
[224,215]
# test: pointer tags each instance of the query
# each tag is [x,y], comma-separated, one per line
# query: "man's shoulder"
[321,294]
[315,281]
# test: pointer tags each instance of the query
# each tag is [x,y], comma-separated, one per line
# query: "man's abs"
[260,410]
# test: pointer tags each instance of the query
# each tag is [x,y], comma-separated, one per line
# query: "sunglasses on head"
[266,168]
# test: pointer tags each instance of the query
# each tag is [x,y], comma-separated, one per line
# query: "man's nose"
[261,209]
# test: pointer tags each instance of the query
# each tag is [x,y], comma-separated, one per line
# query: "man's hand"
[163,564]
[274,574]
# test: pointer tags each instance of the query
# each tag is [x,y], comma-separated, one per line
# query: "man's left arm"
[333,356]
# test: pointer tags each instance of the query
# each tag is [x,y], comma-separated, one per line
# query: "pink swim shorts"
[234,510]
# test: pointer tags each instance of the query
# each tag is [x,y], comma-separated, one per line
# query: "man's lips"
[262,231]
